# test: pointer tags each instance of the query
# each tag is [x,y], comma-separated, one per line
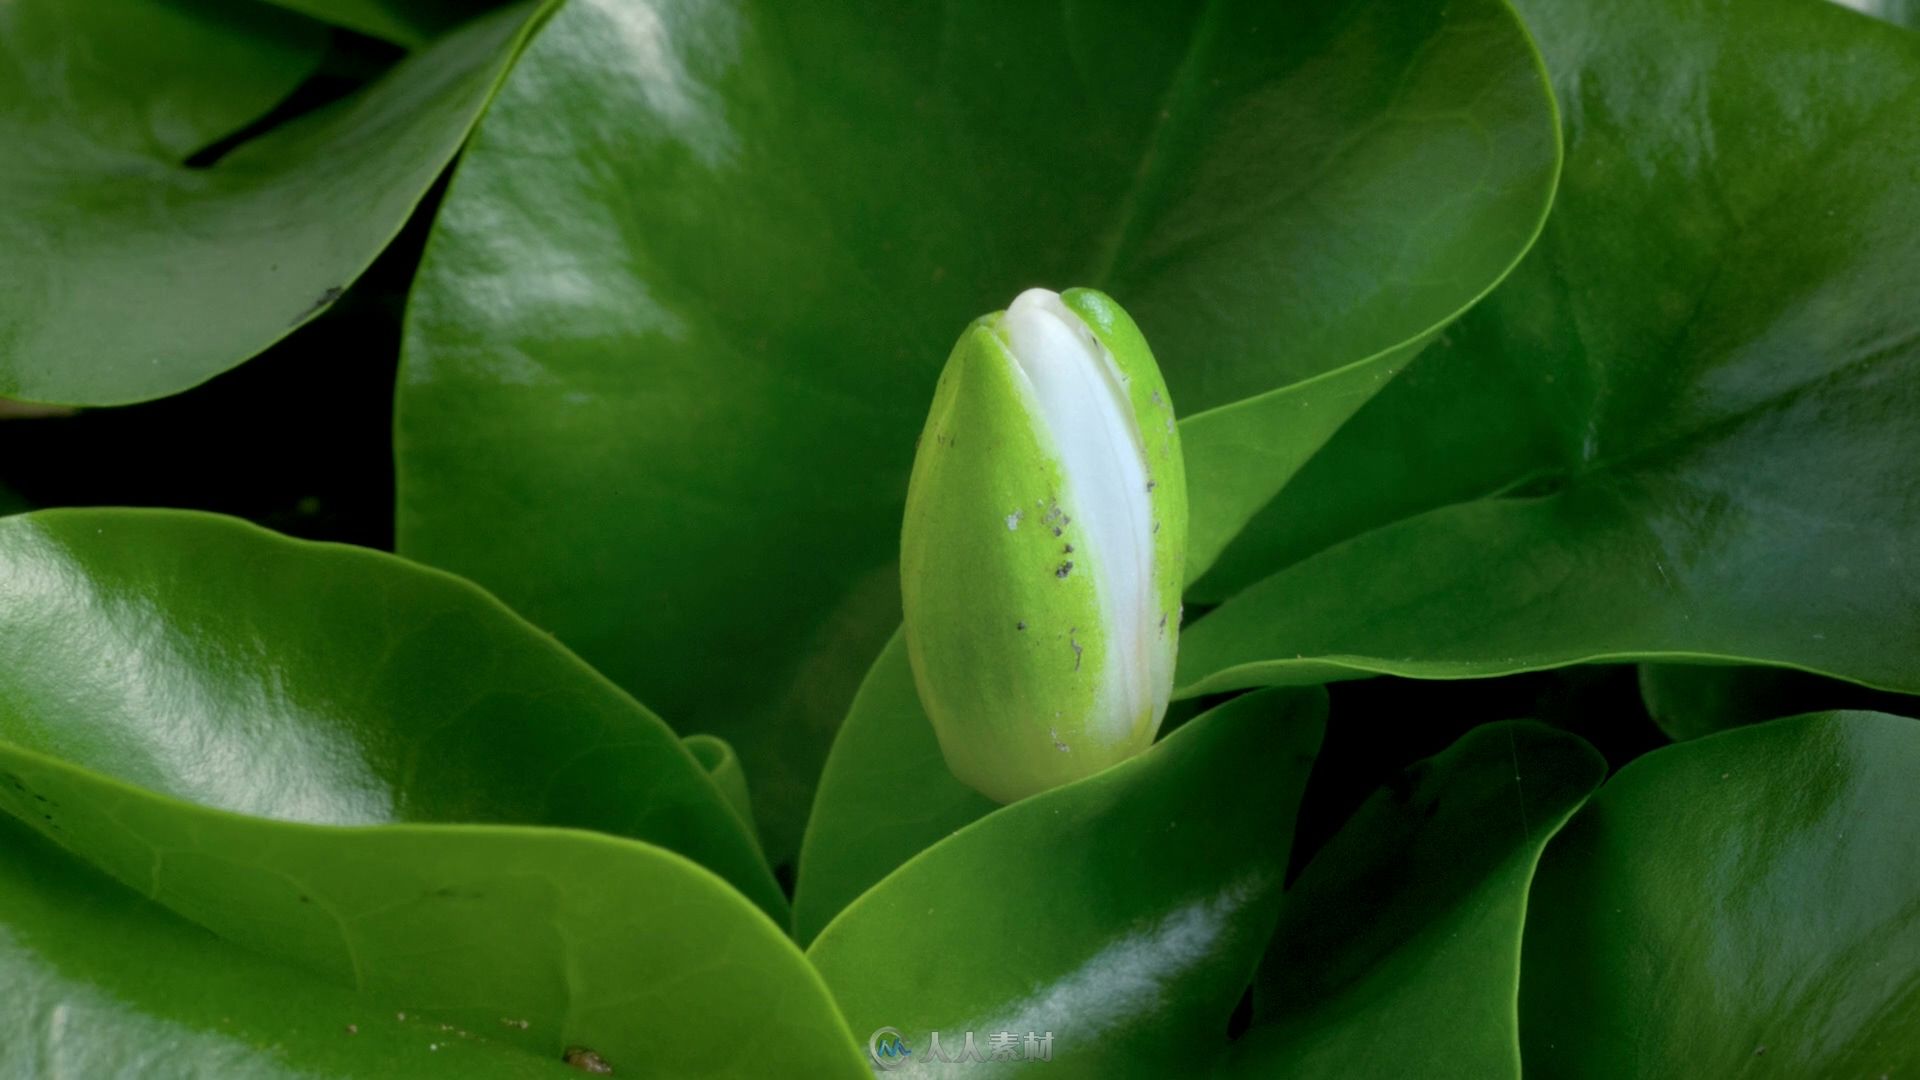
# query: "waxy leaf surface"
[1740,904]
[542,938]
[132,274]
[1123,913]
[209,660]
[1681,429]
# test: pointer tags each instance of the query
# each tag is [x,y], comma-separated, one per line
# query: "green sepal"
[1153,412]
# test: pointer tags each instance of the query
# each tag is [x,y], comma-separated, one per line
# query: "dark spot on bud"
[1150,485]
[1069,550]
[1065,569]
[1022,625]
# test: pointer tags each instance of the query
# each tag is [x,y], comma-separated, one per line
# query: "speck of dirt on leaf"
[327,296]
[1065,569]
[521,1024]
[353,1029]
[1021,625]
[587,1061]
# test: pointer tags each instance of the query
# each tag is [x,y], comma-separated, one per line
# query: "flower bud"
[1042,553]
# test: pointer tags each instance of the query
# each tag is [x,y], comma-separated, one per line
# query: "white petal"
[1084,407]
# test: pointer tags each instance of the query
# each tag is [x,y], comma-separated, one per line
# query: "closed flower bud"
[1042,553]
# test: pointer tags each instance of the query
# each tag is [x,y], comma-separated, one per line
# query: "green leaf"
[411,23]
[142,82]
[1741,904]
[885,796]
[1122,913]
[542,938]
[1691,700]
[76,1004]
[1682,428]
[684,306]
[721,763]
[1398,950]
[145,276]
[208,660]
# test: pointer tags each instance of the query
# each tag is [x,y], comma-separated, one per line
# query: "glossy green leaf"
[74,1003]
[1738,905]
[1682,428]
[1123,913]
[1691,700]
[542,938]
[885,796]
[1398,950]
[684,307]
[140,276]
[404,22]
[1586,353]
[139,81]
[209,660]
